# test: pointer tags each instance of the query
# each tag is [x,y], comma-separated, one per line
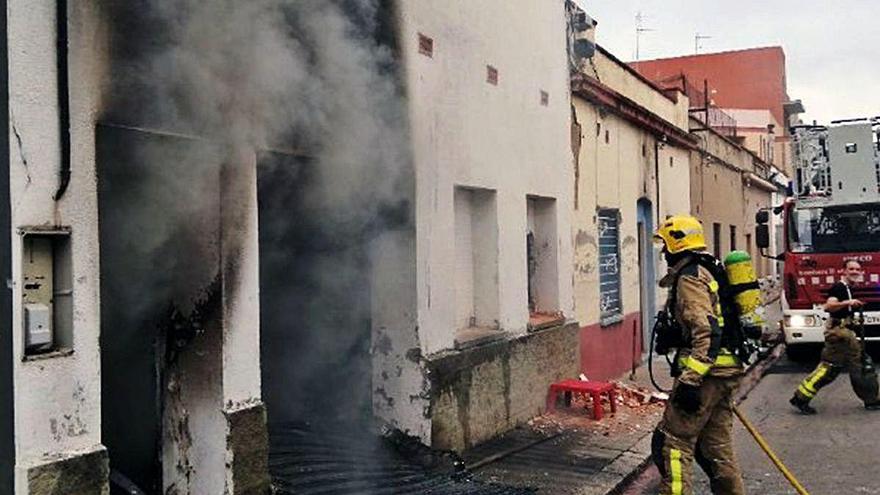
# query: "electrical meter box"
[46,290]
[38,327]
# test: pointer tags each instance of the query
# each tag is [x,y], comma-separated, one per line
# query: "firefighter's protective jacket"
[697,309]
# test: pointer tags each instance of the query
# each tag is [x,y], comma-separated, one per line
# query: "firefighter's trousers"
[705,436]
[842,352]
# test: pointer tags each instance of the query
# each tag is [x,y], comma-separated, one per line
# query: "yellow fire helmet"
[681,233]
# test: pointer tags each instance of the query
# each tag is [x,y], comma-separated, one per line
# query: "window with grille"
[610,306]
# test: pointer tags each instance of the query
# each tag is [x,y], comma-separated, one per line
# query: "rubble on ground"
[638,409]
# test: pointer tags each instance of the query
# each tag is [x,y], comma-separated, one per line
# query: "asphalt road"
[835,452]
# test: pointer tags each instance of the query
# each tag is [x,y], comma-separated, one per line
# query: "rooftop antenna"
[697,39]
[640,28]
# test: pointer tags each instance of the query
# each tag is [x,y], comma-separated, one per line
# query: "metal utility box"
[37,327]
[46,291]
[853,158]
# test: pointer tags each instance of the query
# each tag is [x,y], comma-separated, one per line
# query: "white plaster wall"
[484,233]
[542,223]
[57,401]
[611,176]
[464,258]
[400,384]
[675,189]
[470,133]
[241,301]
[241,378]
[616,175]
[752,141]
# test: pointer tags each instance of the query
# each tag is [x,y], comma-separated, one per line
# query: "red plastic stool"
[593,389]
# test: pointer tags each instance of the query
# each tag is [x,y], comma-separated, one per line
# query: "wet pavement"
[568,453]
[835,451]
[304,460]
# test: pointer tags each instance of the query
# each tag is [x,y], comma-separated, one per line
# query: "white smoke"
[276,74]
[299,77]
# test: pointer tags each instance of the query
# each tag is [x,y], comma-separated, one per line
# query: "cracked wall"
[615,173]
[480,393]
[57,399]
[399,379]
[180,287]
[621,164]
[466,134]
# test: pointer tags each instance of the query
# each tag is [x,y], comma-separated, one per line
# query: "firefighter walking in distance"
[842,351]
[698,421]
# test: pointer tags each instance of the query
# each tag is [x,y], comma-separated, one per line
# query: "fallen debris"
[639,409]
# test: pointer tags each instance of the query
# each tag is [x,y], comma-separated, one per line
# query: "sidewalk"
[568,453]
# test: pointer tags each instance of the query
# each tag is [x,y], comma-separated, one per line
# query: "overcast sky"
[832,48]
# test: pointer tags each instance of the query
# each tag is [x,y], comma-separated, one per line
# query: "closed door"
[647,279]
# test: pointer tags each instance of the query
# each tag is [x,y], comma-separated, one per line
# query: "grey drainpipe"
[62,50]
[657,177]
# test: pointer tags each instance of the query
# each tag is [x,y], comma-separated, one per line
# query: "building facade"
[132,315]
[631,172]
[55,389]
[489,112]
[744,94]
[749,85]
[417,223]
[728,185]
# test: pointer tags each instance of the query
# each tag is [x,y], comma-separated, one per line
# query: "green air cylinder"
[744,284]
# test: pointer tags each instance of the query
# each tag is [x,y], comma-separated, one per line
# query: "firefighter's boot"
[802,405]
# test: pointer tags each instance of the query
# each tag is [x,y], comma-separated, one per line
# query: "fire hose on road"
[767,450]
[748,426]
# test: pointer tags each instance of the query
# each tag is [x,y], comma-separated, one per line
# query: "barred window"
[610,306]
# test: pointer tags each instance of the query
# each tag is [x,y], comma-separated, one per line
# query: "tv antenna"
[697,39]
[640,28]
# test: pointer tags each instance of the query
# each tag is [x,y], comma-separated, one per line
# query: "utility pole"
[640,28]
[697,38]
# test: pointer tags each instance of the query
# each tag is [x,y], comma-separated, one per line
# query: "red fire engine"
[832,216]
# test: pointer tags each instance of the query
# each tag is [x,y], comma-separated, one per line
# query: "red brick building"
[749,85]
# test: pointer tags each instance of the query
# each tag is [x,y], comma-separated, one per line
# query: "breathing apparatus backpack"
[740,307]
[746,293]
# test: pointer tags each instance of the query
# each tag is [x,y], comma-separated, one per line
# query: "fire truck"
[831,216]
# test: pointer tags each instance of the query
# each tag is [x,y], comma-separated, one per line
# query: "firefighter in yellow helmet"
[698,421]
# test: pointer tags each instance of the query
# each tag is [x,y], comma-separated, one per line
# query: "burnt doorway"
[158,198]
[314,300]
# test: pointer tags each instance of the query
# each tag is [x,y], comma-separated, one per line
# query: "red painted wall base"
[607,352]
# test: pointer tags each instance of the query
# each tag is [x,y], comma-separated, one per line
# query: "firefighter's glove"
[687,397]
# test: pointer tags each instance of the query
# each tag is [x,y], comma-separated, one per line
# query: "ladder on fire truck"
[815,177]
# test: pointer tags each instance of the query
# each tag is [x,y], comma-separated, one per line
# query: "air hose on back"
[651,350]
